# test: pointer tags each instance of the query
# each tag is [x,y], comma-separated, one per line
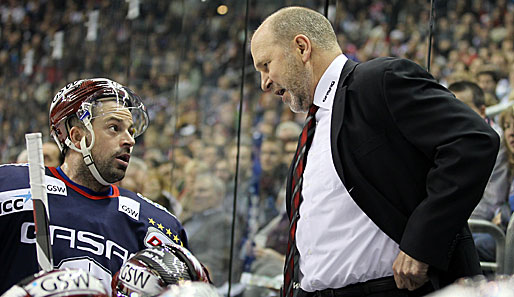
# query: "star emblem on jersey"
[159,234]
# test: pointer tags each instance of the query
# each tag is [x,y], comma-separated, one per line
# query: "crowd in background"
[185,60]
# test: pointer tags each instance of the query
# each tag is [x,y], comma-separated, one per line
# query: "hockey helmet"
[58,283]
[151,270]
[78,99]
[84,99]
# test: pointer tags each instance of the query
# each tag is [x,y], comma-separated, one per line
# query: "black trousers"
[383,287]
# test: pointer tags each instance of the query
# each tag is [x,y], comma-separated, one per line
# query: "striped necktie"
[300,159]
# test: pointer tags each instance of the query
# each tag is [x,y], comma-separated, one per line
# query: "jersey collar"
[111,193]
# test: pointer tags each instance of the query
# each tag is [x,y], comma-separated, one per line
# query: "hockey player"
[94,225]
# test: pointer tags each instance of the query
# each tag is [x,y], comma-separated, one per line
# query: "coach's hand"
[409,273]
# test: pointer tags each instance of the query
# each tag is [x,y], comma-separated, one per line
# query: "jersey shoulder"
[14,176]
[146,204]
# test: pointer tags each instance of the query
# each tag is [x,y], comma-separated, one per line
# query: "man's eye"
[113,128]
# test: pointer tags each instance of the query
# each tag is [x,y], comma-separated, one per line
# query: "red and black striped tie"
[300,159]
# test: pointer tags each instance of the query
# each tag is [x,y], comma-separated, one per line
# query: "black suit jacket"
[415,159]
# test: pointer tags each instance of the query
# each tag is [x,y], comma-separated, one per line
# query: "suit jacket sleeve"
[461,146]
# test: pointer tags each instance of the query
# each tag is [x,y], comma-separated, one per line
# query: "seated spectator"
[135,176]
[487,78]
[271,179]
[51,155]
[209,228]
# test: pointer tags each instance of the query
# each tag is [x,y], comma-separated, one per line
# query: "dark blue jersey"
[96,232]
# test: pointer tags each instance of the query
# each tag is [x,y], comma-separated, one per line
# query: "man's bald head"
[289,22]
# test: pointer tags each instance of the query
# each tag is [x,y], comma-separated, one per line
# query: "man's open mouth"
[280,92]
[124,157]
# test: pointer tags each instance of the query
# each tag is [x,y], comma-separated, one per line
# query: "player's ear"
[76,135]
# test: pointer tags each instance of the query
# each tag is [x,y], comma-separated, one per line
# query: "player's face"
[282,72]
[113,141]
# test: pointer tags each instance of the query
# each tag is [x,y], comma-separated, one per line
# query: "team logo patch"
[155,237]
[129,206]
[15,201]
[73,282]
[55,186]
[138,279]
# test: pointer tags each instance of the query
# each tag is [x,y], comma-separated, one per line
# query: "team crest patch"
[154,237]
[158,234]
[129,207]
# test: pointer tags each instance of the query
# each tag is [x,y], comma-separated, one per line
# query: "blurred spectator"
[208,228]
[288,131]
[271,179]
[192,169]
[487,78]
[51,154]
[135,176]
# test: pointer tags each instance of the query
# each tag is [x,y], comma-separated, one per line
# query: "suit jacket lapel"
[338,115]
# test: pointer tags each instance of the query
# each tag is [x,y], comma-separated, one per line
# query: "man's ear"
[303,46]
[76,135]
[481,109]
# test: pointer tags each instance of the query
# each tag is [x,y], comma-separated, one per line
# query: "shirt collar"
[327,85]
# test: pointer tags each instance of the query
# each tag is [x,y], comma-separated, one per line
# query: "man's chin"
[115,175]
[296,105]
[297,109]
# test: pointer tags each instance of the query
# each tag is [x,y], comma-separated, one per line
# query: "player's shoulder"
[14,167]
[147,205]
[12,175]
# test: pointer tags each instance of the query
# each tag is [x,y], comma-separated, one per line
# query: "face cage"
[124,98]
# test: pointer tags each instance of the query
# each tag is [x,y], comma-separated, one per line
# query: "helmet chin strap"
[86,153]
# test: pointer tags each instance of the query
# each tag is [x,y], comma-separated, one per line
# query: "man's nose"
[266,83]
[129,139]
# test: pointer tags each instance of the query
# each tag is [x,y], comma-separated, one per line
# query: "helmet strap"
[86,152]
[90,163]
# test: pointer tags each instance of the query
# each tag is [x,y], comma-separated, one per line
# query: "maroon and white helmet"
[152,270]
[83,99]
[58,283]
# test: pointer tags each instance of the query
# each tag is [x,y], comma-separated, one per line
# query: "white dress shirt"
[338,243]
